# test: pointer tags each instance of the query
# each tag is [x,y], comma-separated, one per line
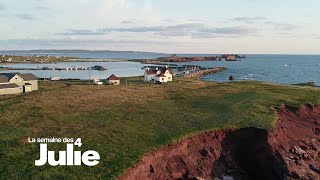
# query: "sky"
[168,26]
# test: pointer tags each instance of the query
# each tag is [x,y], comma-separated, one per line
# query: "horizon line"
[153,52]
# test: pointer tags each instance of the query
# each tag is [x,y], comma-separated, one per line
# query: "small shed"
[113,80]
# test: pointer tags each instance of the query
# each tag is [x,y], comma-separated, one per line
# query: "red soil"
[297,139]
[290,151]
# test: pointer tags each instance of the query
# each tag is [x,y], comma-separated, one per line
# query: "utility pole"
[89,74]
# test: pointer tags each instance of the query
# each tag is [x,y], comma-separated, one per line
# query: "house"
[15,83]
[167,72]
[150,75]
[113,80]
[162,75]
[161,78]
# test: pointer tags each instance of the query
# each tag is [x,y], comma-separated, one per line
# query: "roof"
[113,77]
[161,75]
[28,77]
[25,77]
[9,75]
[4,79]
[163,70]
[151,71]
[8,86]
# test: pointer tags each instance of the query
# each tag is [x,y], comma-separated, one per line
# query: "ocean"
[282,69]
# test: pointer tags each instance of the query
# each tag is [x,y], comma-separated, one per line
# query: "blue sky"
[172,26]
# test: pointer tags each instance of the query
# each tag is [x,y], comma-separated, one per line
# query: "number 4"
[78,142]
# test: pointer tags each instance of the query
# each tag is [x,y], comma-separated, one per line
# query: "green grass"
[18,59]
[123,123]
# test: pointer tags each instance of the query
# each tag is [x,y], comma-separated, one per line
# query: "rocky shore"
[175,58]
[203,72]
[289,151]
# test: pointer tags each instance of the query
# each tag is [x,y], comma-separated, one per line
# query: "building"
[161,78]
[162,75]
[150,75]
[167,72]
[15,83]
[113,80]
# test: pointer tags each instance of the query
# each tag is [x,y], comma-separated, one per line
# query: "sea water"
[283,69]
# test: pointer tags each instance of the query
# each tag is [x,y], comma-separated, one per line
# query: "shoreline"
[199,74]
[199,104]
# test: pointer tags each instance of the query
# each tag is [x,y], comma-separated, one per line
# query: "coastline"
[199,74]
[202,106]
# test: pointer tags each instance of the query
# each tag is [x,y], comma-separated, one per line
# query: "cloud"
[45,8]
[264,20]
[186,29]
[128,21]
[25,16]
[282,26]
[82,32]
[249,20]
[237,30]
[74,43]
[2,7]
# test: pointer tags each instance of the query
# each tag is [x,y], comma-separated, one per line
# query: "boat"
[55,78]
[97,81]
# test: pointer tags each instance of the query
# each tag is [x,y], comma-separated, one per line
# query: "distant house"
[150,75]
[162,75]
[15,83]
[161,78]
[113,80]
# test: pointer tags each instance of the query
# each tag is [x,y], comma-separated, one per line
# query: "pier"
[203,72]
[174,67]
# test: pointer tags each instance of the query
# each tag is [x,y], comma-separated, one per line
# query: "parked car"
[157,82]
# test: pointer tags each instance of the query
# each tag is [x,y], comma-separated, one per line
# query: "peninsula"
[130,122]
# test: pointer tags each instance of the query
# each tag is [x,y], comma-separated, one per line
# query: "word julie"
[68,157]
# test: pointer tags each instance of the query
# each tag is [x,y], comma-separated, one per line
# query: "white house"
[168,73]
[161,78]
[162,75]
[150,75]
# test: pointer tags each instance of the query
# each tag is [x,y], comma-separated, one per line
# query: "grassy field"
[33,59]
[123,123]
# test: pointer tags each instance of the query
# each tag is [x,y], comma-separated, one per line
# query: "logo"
[69,157]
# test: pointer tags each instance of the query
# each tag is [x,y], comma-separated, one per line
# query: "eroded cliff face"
[296,139]
[289,151]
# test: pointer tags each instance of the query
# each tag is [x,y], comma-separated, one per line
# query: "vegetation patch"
[124,123]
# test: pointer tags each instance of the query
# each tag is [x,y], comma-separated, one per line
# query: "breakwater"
[203,72]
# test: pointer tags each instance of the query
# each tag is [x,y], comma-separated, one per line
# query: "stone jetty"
[203,72]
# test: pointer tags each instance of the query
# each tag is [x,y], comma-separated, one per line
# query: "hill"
[124,123]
